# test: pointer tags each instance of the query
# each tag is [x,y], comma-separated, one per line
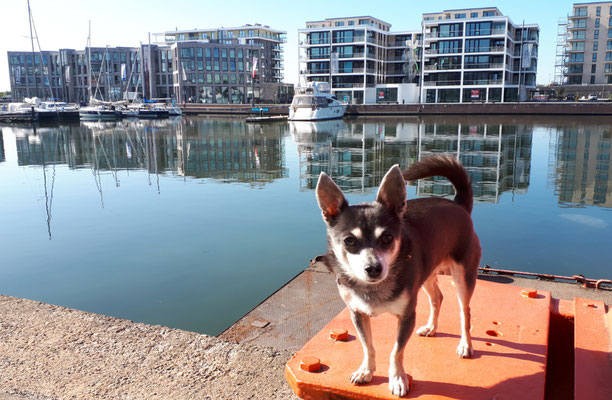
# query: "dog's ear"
[330,198]
[392,191]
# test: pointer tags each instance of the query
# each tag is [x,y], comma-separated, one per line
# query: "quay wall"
[540,108]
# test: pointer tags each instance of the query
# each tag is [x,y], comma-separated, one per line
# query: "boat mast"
[33,55]
[89,62]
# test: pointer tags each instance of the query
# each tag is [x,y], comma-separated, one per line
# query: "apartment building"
[589,44]
[477,55]
[202,65]
[456,56]
[216,64]
[65,74]
[361,58]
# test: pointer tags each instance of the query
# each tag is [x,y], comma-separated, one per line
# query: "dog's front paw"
[398,384]
[426,330]
[464,350]
[362,375]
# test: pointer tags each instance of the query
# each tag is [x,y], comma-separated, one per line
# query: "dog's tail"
[448,167]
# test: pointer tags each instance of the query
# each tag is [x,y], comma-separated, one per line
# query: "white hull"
[316,114]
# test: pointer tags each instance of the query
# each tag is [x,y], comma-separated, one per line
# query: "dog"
[382,253]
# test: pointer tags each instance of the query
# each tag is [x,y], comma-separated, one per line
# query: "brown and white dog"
[383,252]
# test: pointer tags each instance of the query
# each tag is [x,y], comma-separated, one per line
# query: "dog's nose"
[374,271]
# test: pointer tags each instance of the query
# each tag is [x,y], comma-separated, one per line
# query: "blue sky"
[63,23]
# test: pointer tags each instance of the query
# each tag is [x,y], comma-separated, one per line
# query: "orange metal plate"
[592,357]
[509,333]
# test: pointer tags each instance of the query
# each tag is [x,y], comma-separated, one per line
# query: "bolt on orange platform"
[510,329]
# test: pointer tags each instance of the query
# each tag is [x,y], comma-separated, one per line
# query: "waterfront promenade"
[357,110]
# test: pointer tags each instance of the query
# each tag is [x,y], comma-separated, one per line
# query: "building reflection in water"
[357,154]
[497,157]
[224,150]
[583,169]
[231,151]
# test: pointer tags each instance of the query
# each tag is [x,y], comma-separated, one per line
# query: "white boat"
[99,110]
[65,111]
[315,102]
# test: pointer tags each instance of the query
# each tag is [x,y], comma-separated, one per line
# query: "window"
[598,11]
[593,68]
[609,56]
[596,22]
[474,15]
[596,34]
[579,35]
[609,45]
[578,57]
[578,46]
[488,13]
[478,28]
[594,57]
[580,23]
[460,16]
[339,23]
[592,79]
[351,23]
[450,30]
[595,46]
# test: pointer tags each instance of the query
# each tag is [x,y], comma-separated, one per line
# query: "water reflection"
[358,154]
[496,151]
[583,169]
[224,150]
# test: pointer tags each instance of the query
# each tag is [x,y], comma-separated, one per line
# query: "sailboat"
[97,109]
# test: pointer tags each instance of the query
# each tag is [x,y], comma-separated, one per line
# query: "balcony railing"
[483,82]
[484,66]
[314,42]
[442,83]
[402,43]
[351,55]
[442,51]
[434,67]
[486,49]
[486,32]
[315,71]
[348,85]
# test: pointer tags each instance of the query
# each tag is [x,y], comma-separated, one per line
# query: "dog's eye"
[386,238]
[350,241]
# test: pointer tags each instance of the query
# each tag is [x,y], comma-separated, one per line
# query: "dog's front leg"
[364,331]
[398,381]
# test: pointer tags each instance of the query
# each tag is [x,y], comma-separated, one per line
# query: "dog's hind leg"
[435,301]
[465,281]
[364,331]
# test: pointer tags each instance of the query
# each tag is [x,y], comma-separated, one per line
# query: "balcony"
[402,43]
[354,39]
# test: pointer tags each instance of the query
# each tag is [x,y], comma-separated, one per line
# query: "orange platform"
[510,333]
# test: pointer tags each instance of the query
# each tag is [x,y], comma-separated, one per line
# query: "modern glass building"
[478,55]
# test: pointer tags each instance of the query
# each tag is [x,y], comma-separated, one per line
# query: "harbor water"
[191,222]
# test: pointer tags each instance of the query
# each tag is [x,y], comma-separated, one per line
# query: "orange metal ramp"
[593,365]
[509,333]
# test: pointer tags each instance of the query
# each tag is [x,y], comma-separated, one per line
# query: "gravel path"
[51,352]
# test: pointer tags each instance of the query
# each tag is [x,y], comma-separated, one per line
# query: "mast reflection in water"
[158,221]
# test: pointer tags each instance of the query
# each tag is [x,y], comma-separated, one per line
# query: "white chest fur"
[356,302]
